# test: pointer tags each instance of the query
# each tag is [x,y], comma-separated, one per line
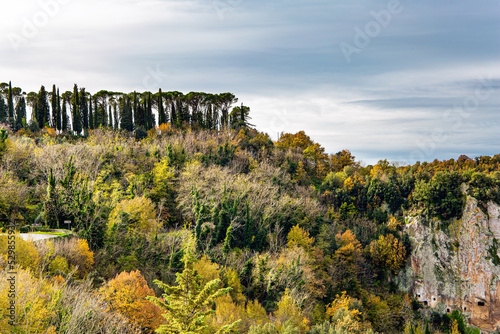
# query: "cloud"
[283,59]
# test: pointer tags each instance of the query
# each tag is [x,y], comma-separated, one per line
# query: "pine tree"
[188,304]
[10,104]
[239,117]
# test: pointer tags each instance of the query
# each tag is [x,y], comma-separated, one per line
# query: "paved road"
[36,236]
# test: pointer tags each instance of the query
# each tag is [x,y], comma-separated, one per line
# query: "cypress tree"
[20,113]
[91,114]
[58,116]
[75,111]
[150,120]
[3,110]
[162,117]
[64,116]
[84,109]
[53,104]
[10,104]
[173,113]
[126,122]
[42,109]
[134,103]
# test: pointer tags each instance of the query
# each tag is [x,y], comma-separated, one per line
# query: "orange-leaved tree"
[126,293]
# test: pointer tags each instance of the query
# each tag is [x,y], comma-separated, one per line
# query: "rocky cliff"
[457,265]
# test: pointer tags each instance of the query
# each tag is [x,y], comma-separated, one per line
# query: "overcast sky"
[404,80]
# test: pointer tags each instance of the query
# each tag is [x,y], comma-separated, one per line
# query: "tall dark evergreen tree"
[101,109]
[66,97]
[126,122]
[162,117]
[150,122]
[53,104]
[75,111]
[42,109]
[84,109]
[139,113]
[173,112]
[58,115]
[3,111]
[20,113]
[239,117]
[91,114]
[10,105]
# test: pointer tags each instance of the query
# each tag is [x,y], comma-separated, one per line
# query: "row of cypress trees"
[77,111]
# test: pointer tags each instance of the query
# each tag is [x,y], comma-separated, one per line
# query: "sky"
[402,80]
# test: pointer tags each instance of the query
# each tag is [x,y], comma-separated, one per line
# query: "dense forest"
[187,219]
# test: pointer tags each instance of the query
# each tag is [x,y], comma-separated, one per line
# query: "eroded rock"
[453,267]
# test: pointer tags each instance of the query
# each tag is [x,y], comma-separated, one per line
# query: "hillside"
[307,241]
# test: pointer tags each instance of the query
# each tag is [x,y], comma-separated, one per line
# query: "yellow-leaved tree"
[137,214]
[289,311]
[26,255]
[298,237]
[345,315]
[388,252]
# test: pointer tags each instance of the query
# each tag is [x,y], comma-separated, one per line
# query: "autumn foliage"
[127,293]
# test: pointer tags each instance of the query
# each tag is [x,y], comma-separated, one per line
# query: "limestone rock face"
[458,266]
